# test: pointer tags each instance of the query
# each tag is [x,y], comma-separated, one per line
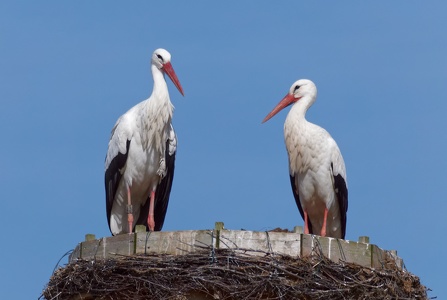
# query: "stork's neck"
[160,90]
[299,135]
[158,112]
[299,109]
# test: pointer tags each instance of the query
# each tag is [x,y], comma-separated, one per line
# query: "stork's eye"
[160,57]
[296,88]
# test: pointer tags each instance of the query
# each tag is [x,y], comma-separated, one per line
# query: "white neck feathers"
[157,113]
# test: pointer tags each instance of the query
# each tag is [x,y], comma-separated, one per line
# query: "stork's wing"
[116,159]
[341,191]
[340,187]
[297,200]
[163,190]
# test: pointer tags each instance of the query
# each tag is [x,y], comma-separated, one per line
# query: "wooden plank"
[75,254]
[337,249]
[172,242]
[259,242]
[399,262]
[383,259]
[90,249]
[250,242]
[122,244]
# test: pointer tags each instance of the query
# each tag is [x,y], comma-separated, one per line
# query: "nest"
[227,274]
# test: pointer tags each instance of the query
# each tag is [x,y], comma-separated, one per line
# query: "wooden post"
[298,229]
[90,237]
[140,228]
[364,239]
[218,226]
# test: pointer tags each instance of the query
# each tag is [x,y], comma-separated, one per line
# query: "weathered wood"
[218,226]
[251,242]
[337,249]
[90,237]
[364,239]
[259,242]
[396,259]
[298,229]
[76,253]
[140,228]
[121,244]
[172,242]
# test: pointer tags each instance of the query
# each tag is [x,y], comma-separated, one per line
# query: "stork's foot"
[323,231]
[151,223]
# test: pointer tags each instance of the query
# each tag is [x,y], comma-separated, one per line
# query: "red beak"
[167,67]
[286,101]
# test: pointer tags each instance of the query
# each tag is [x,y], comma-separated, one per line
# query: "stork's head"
[162,60]
[302,88]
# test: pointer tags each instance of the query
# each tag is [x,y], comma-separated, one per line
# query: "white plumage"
[139,165]
[316,166]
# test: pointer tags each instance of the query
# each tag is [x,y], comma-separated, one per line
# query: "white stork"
[139,165]
[317,170]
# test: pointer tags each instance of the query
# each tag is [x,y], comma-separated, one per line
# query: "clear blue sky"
[69,70]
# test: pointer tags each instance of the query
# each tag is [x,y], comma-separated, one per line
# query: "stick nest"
[227,274]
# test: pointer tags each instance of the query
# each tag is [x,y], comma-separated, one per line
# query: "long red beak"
[167,67]
[286,101]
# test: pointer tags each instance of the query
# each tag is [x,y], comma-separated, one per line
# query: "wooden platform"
[295,244]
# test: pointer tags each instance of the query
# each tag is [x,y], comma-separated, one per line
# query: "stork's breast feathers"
[303,153]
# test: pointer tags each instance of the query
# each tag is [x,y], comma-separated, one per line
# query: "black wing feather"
[162,194]
[113,177]
[297,200]
[342,197]
[164,191]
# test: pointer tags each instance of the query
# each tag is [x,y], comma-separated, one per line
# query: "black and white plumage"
[316,166]
[139,165]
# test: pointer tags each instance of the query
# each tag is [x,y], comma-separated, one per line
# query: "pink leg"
[150,216]
[306,223]
[323,228]
[129,211]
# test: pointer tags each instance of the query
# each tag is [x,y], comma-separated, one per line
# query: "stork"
[139,165]
[316,167]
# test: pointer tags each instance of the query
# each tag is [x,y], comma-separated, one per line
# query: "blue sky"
[69,70]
